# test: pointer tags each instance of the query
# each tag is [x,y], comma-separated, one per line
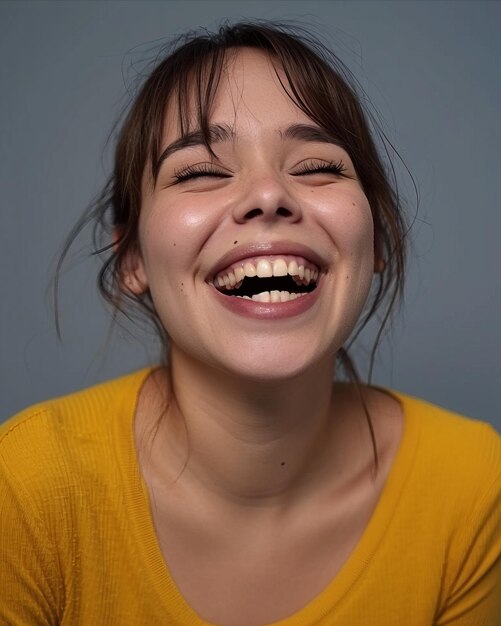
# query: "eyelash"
[331,167]
[197,171]
[309,167]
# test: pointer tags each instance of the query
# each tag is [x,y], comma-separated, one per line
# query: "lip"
[265,248]
[268,310]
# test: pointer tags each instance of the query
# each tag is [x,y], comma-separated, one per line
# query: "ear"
[132,273]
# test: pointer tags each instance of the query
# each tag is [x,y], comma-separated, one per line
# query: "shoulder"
[456,455]
[86,406]
[41,441]
[453,434]
[454,498]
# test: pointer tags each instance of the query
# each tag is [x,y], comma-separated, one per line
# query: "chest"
[236,573]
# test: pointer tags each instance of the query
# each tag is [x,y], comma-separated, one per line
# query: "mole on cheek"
[235,242]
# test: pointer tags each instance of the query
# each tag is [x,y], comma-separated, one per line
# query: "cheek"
[350,224]
[173,231]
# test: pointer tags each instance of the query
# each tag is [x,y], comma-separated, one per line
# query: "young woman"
[237,484]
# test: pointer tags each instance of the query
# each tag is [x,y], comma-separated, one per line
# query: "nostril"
[277,212]
[284,212]
[253,213]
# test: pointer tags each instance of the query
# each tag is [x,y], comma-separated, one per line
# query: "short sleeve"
[30,584]
[475,595]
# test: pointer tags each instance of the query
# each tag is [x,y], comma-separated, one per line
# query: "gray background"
[431,69]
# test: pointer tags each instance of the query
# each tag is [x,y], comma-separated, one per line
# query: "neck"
[253,443]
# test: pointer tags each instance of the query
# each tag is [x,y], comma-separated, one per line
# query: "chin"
[274,363]
[273,356]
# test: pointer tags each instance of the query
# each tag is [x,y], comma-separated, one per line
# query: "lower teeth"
[273,296]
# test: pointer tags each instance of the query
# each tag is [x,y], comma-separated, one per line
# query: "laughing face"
[258,260]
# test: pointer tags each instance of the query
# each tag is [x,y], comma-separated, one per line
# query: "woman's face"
[273,201]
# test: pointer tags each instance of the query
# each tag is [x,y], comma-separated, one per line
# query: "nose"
[266,198]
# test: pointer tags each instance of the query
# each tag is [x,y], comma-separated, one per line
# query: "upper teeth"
[300,270]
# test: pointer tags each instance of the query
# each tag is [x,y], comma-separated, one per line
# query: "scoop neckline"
[156,569]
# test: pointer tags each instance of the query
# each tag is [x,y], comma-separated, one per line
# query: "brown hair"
[318,83]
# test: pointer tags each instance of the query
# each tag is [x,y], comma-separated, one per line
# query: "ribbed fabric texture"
[78,546]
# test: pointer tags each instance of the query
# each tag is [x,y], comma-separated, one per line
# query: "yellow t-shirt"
[78,546]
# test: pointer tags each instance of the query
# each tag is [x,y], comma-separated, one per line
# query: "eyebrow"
[223,132]
[217,133]
[309,132]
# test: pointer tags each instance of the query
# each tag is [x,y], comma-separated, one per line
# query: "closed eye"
[199,171]
[306,168]
[320,167]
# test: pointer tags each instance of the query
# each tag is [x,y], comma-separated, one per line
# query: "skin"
[268,431]
[186,227]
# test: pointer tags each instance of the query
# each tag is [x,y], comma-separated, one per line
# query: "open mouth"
[268,279]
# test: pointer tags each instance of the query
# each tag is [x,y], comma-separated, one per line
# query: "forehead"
[250,90]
